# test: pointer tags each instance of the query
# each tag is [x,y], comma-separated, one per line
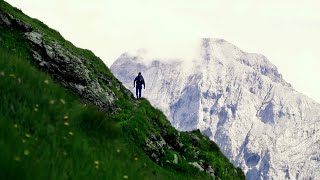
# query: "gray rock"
[181,145]
[203,166]
[22,26]
[70,70]
[4,20]
[153,137]
[155,147]
[197,165]
[65,66]
[210,171]
[34,37]
[175,159]
[194,137]
[9,21]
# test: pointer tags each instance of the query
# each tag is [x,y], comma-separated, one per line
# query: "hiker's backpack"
[140,80]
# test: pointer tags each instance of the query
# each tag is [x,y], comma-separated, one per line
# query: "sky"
[287,32]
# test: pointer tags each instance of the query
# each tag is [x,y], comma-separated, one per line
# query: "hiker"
[138,81]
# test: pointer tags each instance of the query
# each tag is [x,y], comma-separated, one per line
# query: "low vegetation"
[49,132]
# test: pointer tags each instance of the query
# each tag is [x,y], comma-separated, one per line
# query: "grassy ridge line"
[92,62]
[37,143]
[51,34]
[147,119]
[46,133]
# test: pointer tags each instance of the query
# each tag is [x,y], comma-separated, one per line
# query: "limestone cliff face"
[71,70]
[241,102]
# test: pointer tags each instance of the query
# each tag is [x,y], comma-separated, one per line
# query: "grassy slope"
[46,132]
[36,143]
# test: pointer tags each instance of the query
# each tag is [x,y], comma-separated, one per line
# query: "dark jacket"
[139,80]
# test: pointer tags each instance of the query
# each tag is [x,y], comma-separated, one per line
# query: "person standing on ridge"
[138,81]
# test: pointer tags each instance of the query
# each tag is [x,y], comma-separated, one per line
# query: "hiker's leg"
[140,92]
[137,90]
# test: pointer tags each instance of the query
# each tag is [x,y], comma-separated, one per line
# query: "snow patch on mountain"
[240,101]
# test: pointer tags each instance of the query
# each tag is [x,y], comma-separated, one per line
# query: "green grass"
[148,120]
[94,63]
[48,132]
[35,143]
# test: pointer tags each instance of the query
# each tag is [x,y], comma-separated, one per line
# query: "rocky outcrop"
[9,20]
[155,147]
[69,69]
[4,20]
[158,146]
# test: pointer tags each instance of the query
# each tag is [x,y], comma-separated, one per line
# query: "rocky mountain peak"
[219,51]
[241,102]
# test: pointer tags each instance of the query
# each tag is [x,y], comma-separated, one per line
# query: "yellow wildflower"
[26,152]
[17,158]
[71,133]
[96,162]
[66,123]
[27,135]
[125,177]
[65,117]
[12,75]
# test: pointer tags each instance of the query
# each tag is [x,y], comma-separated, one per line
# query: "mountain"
[240,101]
[63,115]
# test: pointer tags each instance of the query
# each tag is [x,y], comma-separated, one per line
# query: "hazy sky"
[286,31]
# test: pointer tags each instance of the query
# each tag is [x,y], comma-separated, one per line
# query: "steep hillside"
[63,115]
[241,102]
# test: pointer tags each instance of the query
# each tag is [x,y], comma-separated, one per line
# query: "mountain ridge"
[242,103]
